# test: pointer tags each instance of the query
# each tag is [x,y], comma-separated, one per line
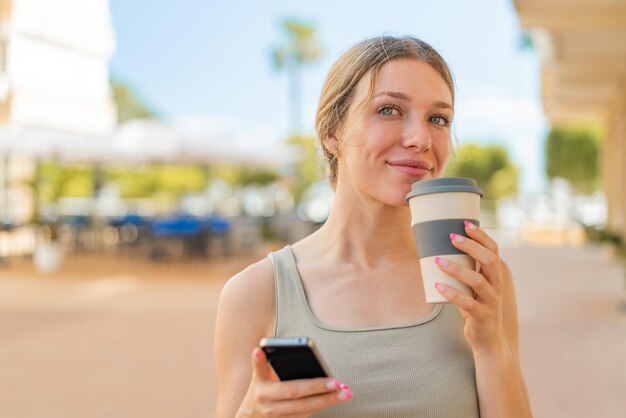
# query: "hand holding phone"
[294,358]
[287,385]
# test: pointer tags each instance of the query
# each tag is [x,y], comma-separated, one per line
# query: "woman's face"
[402,135]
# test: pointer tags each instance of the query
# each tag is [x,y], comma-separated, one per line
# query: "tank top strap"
[421,369]
[290,308]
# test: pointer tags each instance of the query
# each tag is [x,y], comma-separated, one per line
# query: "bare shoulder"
[245,315]
[249,295]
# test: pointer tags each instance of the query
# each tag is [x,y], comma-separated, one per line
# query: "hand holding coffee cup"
[440,207]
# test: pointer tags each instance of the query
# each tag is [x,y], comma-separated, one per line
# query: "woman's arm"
[490,325]
[247,384]
[499,378]
[245,315]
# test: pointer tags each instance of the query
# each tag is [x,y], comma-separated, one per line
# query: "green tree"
[572,154]
[129,105]
[300,47]
[489,165]
[308,169]
[56,181]
[163,180]
[260,176]
[243,176]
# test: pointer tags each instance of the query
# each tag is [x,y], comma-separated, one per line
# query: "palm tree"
[300,47]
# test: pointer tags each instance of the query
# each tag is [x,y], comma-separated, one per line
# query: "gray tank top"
[420,369]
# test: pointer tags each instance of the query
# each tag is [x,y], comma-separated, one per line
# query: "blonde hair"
[340,84]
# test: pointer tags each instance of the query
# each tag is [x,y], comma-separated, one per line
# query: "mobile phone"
[294,358]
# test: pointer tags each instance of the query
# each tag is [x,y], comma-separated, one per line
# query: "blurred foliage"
[572,154]
[525,42]
[228,173]
[309,167]
[608,237]
[56,180]
[243,176]
[300,46]
[258,176]
[490,165]
[163,180]
[172,180]
[129,105]
[167,181]
[604,235]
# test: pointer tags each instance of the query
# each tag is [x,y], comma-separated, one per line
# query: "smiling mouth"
[412,168]
[411,164]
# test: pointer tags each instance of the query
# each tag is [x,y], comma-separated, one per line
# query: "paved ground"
[110,337]
[572,330]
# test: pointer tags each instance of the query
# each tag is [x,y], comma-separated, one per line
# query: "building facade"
[54,57]
[54,83]
[583,51]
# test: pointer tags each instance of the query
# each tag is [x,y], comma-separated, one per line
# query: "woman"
[354,285]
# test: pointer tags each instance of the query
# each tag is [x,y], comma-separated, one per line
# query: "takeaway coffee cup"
[440,207]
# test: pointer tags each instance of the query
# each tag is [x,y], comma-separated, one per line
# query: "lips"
[414,168]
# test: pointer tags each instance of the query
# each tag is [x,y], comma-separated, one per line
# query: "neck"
[365,232]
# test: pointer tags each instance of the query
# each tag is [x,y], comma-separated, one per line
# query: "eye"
[388,110]
[440,120]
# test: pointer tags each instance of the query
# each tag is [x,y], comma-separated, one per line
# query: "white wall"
[57,64]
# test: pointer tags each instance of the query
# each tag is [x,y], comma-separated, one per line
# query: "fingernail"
[456,238]
[344,395]
[441,262]
[257,353]
[441,286]
[333,384]
[470,226]
[345,386]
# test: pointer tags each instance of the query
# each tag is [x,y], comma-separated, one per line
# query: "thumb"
[261,367]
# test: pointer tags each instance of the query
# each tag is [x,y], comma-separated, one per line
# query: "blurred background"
[150,150]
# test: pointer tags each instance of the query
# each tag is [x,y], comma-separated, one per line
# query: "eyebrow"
[406,98]
[395,94]
[443,105]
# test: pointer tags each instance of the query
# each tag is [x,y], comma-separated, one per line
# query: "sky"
[208,63]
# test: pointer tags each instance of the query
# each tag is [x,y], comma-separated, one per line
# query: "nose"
[417,136]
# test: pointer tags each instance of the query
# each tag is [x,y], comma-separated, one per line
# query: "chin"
[396,201]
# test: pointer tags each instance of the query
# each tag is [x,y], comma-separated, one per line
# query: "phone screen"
[294,362]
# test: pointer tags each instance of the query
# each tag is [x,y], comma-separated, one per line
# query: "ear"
[332,145]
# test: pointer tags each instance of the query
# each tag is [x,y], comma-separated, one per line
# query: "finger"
[474,249]
[489,261]
[306,406]
[262,368]
[297,389]
[476,281]
[464,302]
[479,235]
